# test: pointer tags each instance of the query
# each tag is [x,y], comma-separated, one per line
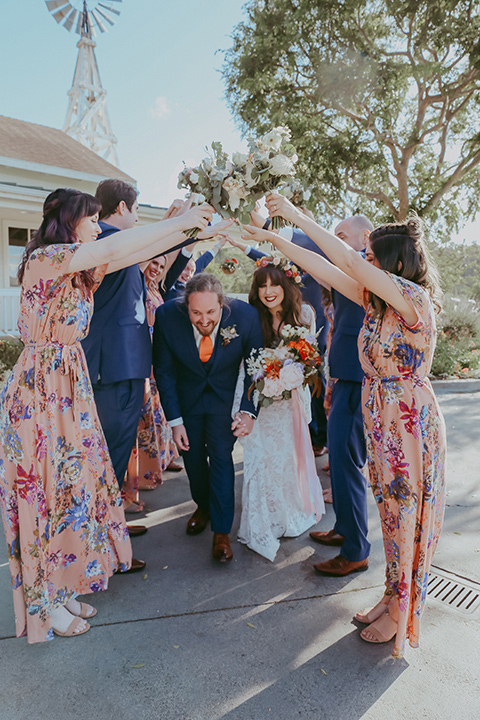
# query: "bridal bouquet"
[233,186]
[295,191]
[275,372]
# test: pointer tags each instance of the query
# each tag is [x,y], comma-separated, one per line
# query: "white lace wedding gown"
[282,495]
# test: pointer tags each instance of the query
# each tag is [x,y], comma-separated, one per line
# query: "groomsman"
[345,437]
[118,347]
[198,346]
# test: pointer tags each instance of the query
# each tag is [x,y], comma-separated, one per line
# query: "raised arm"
[129,247]
[323,271]
[346,259]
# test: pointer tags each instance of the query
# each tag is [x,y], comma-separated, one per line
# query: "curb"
[468,385]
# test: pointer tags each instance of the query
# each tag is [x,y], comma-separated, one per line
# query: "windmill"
[87,118]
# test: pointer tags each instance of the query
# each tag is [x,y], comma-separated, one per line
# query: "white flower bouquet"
[275,372]
[233,186]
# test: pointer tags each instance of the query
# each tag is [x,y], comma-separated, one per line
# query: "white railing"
[9,310]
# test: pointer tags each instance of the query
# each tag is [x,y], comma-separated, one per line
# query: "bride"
[282,495]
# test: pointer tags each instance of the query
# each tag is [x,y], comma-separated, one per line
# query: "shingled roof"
[44,145]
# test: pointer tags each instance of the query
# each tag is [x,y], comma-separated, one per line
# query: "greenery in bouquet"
[233,186]
[220,182]
[295,191]
[273,158]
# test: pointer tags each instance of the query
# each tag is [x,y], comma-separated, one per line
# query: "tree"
[382,97]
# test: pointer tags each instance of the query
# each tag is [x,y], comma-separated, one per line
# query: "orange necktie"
[206,348]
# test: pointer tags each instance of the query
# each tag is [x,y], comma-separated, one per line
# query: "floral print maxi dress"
[406,444]
[60,502]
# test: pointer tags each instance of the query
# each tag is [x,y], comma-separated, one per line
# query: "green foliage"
[239,281]
[455,357]
[10,349]
[459,269]
[382,97]
[458,342]
[460,320]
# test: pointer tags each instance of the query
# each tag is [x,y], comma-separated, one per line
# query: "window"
[17,239]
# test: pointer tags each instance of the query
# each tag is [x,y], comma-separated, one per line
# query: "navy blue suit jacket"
[347,320]
[177,289]
[187,386]
[118,345]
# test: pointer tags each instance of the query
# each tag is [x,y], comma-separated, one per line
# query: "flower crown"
[282,263]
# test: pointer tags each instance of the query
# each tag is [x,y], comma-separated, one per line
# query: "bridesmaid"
[405,431]
[59,498]
[154,450]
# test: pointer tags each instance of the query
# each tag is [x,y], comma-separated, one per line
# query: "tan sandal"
[70,631]
[363,615]
[377,636]
[86,611]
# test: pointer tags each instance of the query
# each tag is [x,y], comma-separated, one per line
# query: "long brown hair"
[62,211]
[400,249]
[291,312]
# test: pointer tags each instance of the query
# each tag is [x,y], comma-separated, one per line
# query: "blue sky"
[159,65]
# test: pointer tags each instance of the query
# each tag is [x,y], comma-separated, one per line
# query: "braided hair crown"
[412,228]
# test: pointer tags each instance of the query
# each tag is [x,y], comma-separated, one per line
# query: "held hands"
[180,437]
[175,208]
[256,218]
[242,424]
[279,206]
[197,217]
[236,243]
[218,229]
[255,234]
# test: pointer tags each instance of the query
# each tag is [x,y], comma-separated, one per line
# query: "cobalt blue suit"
[346,440]
[202,395]
[118,350]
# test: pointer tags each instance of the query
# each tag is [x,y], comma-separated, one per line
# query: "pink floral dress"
[59,498]
[406,444]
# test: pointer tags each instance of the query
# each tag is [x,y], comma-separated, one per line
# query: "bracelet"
[267,224]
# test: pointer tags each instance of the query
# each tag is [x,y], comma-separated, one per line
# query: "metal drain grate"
[461,596]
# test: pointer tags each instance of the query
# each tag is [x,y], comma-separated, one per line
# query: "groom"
[198,346]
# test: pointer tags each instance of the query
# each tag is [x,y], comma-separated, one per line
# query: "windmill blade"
[62,13]
[68,24]
[78,29]
[53,4]
[98,22]
[105,17]
[109,7]
[70,13]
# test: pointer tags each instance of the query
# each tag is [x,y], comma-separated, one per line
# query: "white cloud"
[160,108]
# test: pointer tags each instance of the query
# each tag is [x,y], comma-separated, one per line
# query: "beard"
[205,331]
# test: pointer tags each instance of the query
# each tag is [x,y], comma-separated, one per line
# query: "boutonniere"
[228,334]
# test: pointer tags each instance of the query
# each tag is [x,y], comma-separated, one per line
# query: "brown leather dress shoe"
[340,566]
[136,530]
[221,550]
[327,538]
[198,522]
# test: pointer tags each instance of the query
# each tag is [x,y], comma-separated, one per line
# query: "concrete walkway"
[192,640]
